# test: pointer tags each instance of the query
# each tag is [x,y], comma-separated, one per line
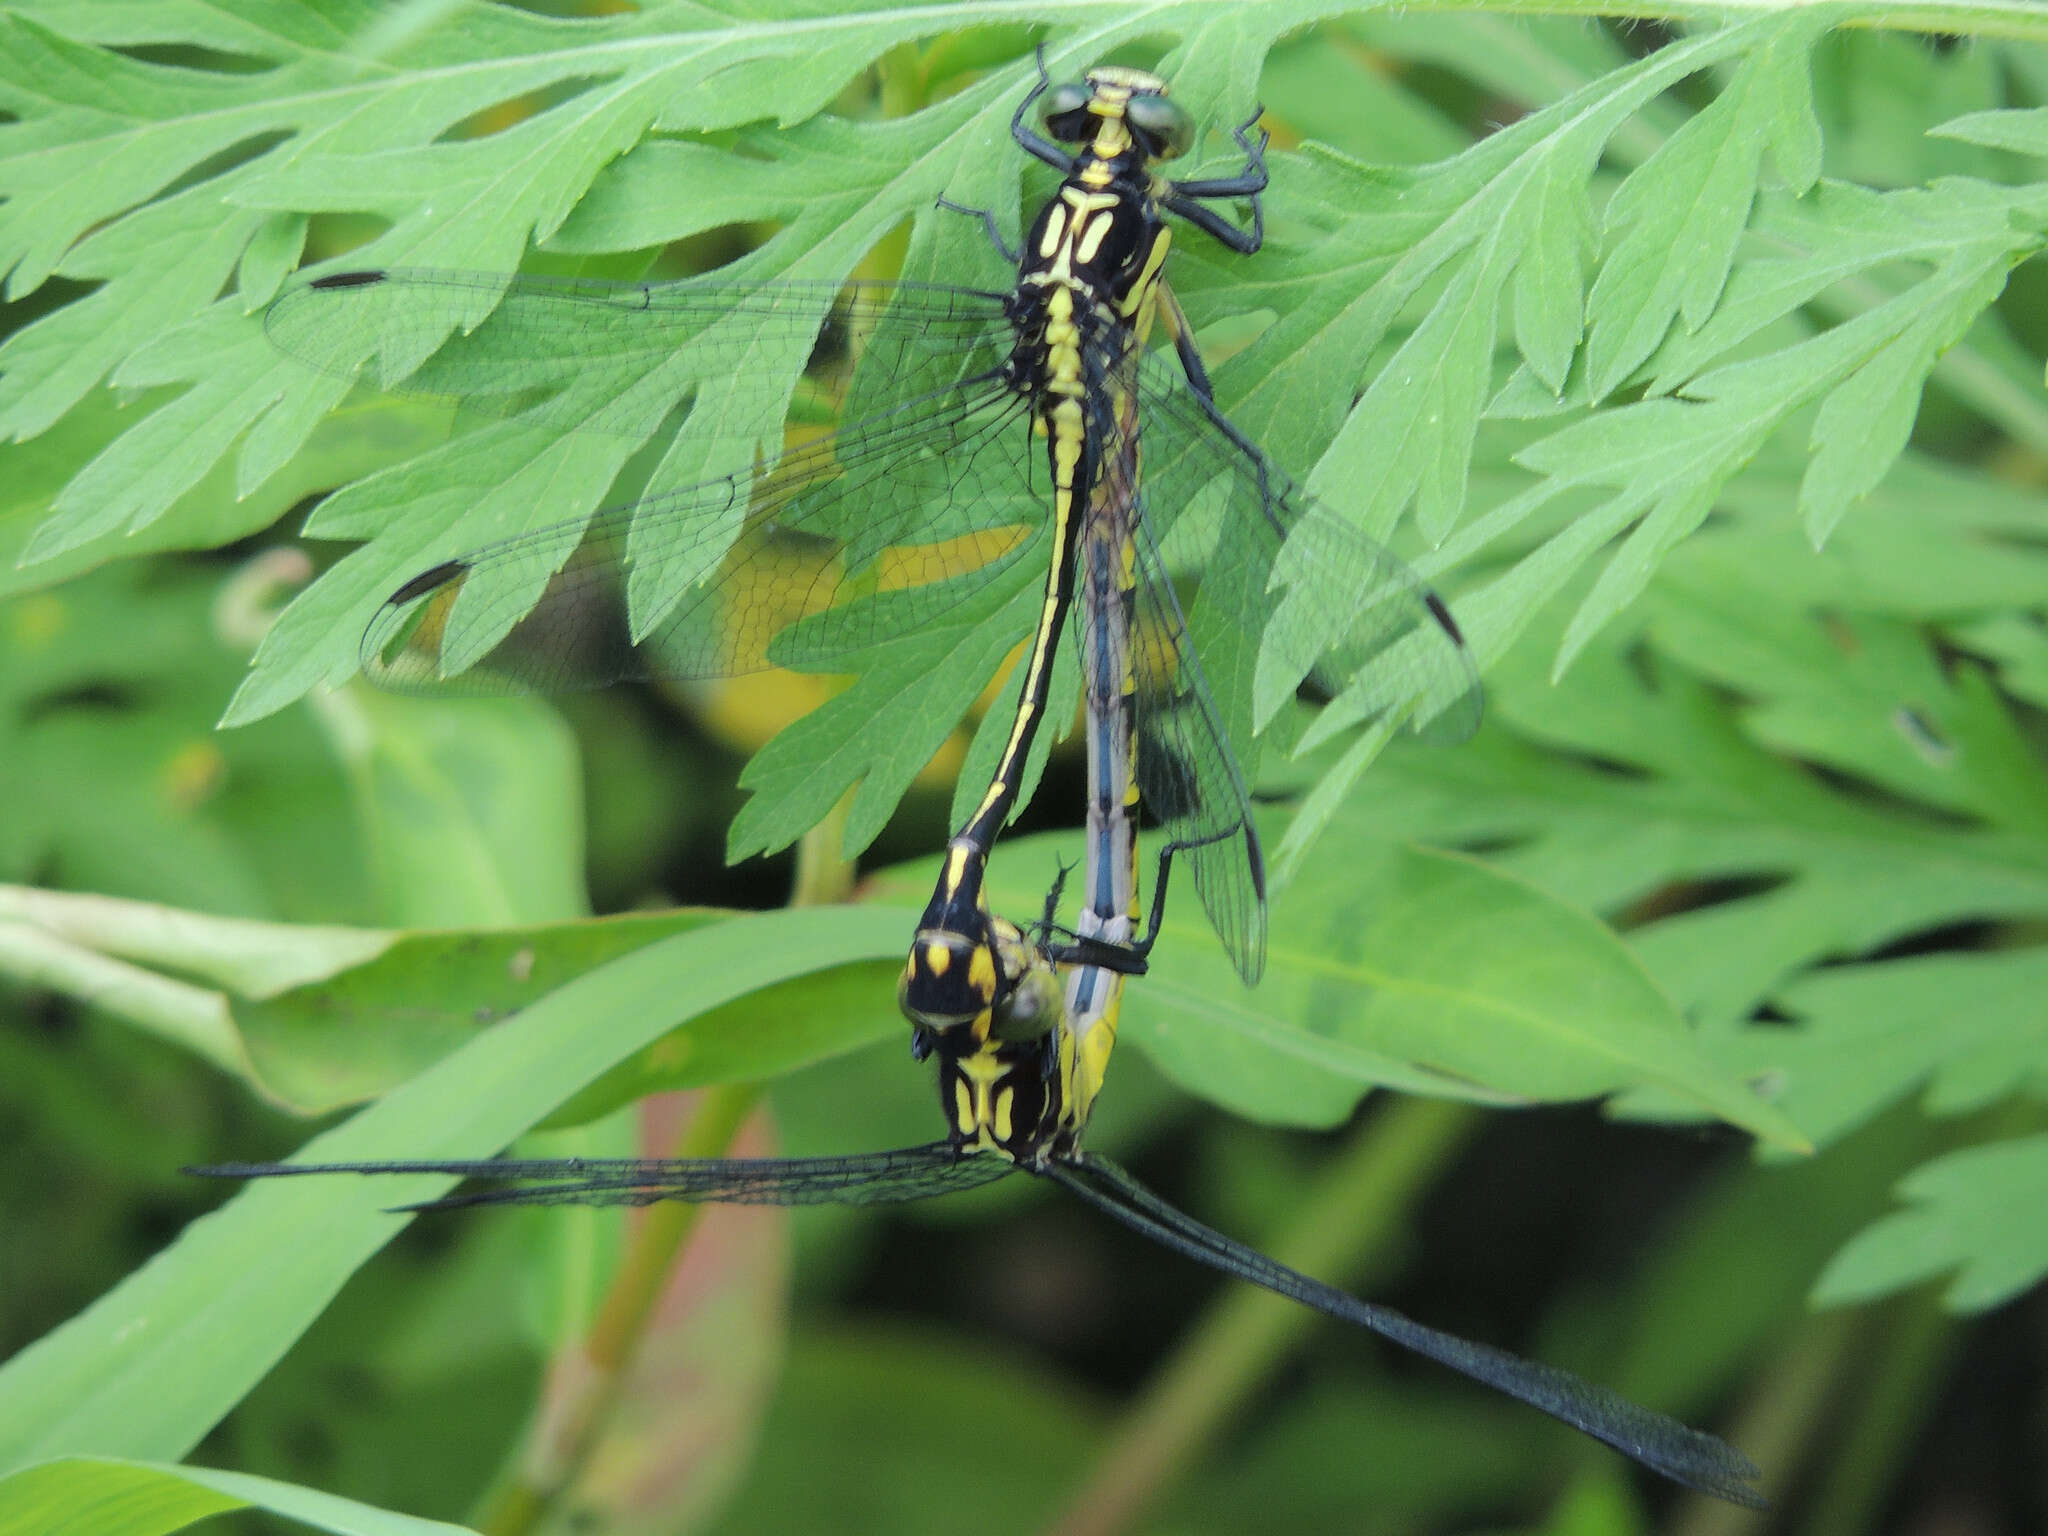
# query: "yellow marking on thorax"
[1126,79]
[1055,232]
[1143,301]
[1092,237]
[937,958]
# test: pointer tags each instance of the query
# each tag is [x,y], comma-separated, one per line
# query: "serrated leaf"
[2024,130]
[1977,1211]
[1865,421]
[1550,293]
[880,732]
[1408,262]
[1639,773]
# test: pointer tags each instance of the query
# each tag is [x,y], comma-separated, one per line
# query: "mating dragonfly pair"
[1165,523]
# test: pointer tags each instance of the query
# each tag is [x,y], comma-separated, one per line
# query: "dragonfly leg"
[1176,321]
[988,225]
[1032,143]
[1131,957]
[1049,923]
[1187,197]
[1254,456]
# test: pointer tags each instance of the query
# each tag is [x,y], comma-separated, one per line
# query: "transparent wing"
[1335,608]
[617,357]
[922,500]
[868,1178]
[1660,1443]
[1337,611]
[1188,775]
[863,536]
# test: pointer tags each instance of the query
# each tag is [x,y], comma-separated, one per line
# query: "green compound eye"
[1160,122]
[1065,113]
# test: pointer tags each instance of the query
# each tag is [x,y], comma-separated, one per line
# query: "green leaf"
[110,1497]
[1962,1030]
[114,779]
[1975,1211]
[1657,766]
[2021,129]
[314,1019]
[1411,264]
[882,731]
[1550,291]
[462,806]
[150,1367]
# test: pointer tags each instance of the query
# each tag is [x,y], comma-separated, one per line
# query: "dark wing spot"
[427,581]
[350,279]
[1443,616]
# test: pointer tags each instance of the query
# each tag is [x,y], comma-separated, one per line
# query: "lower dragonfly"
[1020,1103]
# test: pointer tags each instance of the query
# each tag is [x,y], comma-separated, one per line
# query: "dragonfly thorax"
[1101,234]
[1014,1099]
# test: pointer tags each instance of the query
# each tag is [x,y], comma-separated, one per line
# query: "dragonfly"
[1019,1103]
[975,429]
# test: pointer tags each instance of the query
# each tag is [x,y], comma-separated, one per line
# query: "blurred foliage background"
[1787,744]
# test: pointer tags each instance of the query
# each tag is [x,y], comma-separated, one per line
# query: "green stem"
[1907,1346]
[1352,1210]
[824,875]
[586,1380]
[1781,1416]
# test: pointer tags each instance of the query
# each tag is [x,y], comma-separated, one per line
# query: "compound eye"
[1159,121]
[1065,113]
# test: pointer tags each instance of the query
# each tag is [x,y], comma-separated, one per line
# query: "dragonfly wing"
[616,357]
[865,535]
[1335,608]
[1660,1443]
[1188,776]
[869,1178]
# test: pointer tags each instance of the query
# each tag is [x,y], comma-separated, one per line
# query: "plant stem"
[585,1380]
[1909,1344]
[1351,1211]
[823,872]
[1780,1418]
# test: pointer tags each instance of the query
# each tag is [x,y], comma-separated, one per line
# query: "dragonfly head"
[1120,110]
[971,983]
[973,977]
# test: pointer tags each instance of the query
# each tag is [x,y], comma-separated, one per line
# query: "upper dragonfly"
[965,417]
